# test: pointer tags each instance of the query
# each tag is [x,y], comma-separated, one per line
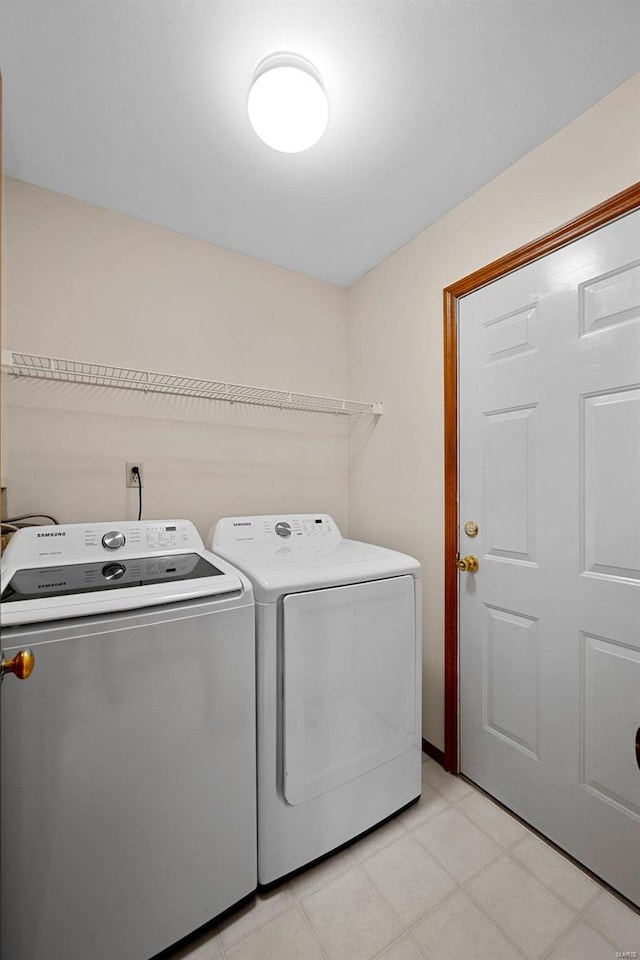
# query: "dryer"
[338,655]
[128,754]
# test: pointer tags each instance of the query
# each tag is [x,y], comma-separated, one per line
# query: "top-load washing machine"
[339,672]
[128,753]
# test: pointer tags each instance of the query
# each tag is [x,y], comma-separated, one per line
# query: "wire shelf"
[102,375]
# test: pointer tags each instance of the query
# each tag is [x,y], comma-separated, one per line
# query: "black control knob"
[113,540]
[283,529]
[113,571]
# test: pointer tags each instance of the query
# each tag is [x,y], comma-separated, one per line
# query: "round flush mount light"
[287,105]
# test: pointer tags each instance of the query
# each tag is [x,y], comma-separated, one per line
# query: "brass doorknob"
[21,665]
[468,564]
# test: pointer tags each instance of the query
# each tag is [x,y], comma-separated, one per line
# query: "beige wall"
[89,284]
[395,339]
[85,283]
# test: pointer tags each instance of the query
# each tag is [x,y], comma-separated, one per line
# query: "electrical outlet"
[131,478]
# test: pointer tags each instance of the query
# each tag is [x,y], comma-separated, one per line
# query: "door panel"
[511,696]
[510,466]
[549,435]
[611,472]
[612,298]
[612,775]
[349,682]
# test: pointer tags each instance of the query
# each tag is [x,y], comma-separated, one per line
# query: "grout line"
[255,929]
[532,832]
[504,852]
[435,789]
[616,946]
[405,933]
[509,846]
[559,938]
[313,932]
[559,896]
[388,903]
[258,926]
[491,920]
[384,846]
[494,858]
[301,898]
[497,922]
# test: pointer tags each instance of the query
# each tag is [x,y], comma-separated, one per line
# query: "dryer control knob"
[113,540]
[283,529]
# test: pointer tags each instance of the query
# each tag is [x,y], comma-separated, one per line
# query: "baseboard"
[433,752]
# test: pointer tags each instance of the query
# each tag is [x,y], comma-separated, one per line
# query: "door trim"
[613,208]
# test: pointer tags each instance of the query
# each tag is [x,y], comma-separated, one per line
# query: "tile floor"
[452,878]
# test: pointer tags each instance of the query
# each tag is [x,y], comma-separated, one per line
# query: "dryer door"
[349,682]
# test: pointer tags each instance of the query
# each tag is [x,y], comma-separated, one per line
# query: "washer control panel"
[80,542]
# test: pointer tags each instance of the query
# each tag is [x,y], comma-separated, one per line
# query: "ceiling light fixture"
[288,107]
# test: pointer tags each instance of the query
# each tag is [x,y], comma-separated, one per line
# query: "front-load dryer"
[338,682]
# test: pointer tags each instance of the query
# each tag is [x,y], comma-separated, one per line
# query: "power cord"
[30,516]
[135,471]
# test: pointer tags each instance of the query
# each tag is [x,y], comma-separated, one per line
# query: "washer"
[339,674]
[128,755]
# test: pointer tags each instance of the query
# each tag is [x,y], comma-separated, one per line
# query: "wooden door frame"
[613,208]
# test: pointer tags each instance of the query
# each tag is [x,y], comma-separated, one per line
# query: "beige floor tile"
[530,914]
[409,878]
[615,920]
[459,930]
[254,914]
[491,818]
[582,942]
[377,839]
[558,873]
[402,949]
[310,880]
[457,844]
[205,947]
[350,918]
[450,787]
[429,804]
[286,937]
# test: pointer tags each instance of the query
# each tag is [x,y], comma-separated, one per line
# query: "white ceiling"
[140,106]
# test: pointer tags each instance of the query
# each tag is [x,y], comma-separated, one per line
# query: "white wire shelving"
[104,375]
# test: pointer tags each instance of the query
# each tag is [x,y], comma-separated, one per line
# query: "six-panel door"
[550,470]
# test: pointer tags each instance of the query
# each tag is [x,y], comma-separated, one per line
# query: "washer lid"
[53,573]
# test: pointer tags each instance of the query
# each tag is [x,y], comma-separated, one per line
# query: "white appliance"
[128,755]
[339,672]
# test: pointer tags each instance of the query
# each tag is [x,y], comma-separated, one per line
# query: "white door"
[550,471]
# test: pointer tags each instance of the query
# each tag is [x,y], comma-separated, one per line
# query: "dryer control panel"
[310,529]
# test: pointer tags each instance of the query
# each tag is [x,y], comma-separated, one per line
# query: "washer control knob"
[113,540]
[283,529]
[113,571]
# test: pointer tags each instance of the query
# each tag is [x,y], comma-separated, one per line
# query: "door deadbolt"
[471,528]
